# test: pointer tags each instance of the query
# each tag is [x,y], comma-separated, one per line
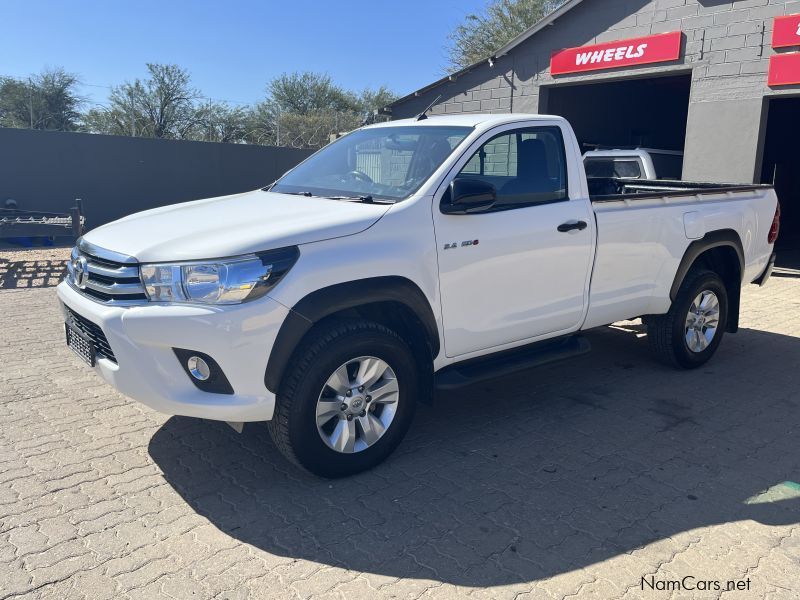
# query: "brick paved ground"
[573,480]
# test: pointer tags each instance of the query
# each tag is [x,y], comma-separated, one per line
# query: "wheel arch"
[391,300]
[722,252]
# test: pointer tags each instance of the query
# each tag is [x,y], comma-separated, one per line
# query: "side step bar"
[505,363]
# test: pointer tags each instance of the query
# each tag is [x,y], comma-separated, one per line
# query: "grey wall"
[727,45]
[116,176]
[722,140]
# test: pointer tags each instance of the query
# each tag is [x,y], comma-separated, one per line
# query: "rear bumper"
[239,338]
[767,272]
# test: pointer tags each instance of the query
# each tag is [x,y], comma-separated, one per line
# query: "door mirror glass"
[466,195]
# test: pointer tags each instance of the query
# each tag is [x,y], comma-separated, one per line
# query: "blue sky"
[232,48]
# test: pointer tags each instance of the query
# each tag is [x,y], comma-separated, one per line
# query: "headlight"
[224,281]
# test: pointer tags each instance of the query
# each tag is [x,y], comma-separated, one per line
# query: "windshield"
[389,163]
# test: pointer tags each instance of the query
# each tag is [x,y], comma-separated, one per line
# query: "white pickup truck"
[405,256]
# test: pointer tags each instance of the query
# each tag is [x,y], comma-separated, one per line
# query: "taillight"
[776,225]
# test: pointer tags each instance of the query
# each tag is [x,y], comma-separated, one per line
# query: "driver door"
[508,274]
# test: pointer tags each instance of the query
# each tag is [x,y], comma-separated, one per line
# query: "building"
[718,80]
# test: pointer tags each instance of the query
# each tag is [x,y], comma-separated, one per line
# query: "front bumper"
[239,337]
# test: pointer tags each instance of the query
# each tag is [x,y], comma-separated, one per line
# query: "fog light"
[198,368]
[203,371]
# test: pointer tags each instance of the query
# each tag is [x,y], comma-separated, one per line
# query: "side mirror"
[465,196]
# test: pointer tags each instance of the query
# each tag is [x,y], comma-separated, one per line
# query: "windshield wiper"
[366,199]
[306,194]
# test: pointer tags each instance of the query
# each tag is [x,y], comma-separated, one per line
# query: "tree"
[48,100]
[162,106]
[110,121]
[303,110]
[372,101]
[219,122]
[300,110]
[272,126]
[480,35]
[307,93]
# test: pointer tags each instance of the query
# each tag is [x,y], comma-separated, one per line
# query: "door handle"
[579,225]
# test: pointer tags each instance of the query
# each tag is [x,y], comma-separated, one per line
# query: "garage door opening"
[647,113]
[781,165]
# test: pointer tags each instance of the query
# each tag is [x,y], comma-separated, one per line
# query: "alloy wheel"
[702,321]
[357,404]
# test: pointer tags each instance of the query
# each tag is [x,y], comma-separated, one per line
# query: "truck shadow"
[524,478]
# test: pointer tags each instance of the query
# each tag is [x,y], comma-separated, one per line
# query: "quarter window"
[612,167]
[628,168]
[526,166]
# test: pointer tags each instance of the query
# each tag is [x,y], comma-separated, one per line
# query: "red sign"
[784,69]
[786,31]
[663,47]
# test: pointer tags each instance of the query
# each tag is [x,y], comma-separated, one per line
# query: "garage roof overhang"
[537,27]
[508,47]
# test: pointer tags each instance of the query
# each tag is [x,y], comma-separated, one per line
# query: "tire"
[669,336]
[330,347]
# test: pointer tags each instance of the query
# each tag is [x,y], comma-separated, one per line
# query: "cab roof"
[478,121]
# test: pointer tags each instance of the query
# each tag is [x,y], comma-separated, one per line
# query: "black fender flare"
[713,239]
[335,298]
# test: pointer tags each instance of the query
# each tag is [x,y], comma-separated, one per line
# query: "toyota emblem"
[80,271]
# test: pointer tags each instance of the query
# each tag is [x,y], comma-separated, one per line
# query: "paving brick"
[558,487]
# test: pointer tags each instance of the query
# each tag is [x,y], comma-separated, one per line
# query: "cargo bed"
[614,189]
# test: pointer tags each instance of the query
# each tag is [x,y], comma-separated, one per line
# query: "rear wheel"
[347,399]
[689,334]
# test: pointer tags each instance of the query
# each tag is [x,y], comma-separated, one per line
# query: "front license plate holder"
[80,344]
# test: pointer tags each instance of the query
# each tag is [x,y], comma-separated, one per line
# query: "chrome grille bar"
[114,289]
[114,273]
[103,276]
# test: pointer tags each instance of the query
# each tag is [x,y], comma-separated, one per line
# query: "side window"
[526,166]
[599,167]
[668,166]
[611,167]
[628,168]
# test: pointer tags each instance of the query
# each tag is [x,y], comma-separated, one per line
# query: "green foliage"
[164,105]
[371,101]
[301,110]
[48,100]
[307,93]
[480,35]
[219,122]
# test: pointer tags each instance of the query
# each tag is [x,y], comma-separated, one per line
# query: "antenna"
[422,116]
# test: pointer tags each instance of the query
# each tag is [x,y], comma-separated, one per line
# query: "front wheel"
[689,334]
[347,400]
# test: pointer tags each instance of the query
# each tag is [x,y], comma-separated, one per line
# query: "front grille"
[103,279]
[94,333]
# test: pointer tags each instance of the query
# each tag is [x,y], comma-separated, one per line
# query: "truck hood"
[232,225]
